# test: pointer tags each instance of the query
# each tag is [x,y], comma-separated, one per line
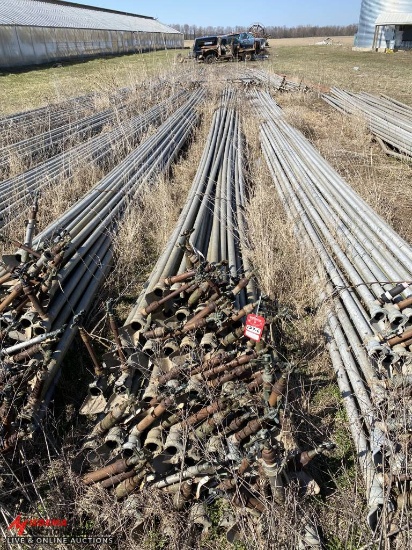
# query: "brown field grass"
[337,41]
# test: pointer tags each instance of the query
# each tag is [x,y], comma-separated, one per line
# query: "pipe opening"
[152,447]
[93,457]
[127,453]
[379,316]
[171,450]
[94,391]
[112,444]
[136,325]
[181,316]
[24,322]
[207,348]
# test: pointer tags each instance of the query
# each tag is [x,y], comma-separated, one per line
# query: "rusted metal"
[400,339]
[29,292]
[110,420]
[278,390]
[237,362]
[115,331]
[205,412]
[169,281]
[235,373]
[118,467]
[98,369]
[251,428]
[156,305]
[116,479]
[155,414]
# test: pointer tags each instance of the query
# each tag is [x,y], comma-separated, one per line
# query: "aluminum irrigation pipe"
[345,355]
[51,116]
[375,231]
[99,150]
[20,126]
[219,166]
[171,256]
[390,121]
[181,404]
[96,207]
[70,269]
[51,142]
[344,239]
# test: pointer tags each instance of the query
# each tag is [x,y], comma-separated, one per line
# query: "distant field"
[278,42]
[337,40]
[326,66]
[298,58]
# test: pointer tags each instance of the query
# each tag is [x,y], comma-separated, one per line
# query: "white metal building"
[33,32]
[384,24]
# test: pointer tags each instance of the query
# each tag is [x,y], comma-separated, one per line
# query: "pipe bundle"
[367,267]
[184,402]
[390,121]
[28,123]
[49,283]
[32,150]
[252,77]
[16,192]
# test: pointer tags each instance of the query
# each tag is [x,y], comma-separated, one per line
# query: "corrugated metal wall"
[34,32]
[370,10]
[25,46]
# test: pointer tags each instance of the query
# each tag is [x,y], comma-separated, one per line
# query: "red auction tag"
[254,327]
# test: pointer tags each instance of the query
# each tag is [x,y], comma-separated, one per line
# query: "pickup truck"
[240,46]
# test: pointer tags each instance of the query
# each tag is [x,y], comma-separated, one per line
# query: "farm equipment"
[238,46]
[259,31]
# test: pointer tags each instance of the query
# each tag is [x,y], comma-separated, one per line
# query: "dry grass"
[23,90]
[338,41]
[383,182]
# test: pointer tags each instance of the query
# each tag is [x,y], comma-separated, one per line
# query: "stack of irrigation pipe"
[251,76]
[28,123]
[17,126]
[276,81]
[186,401]
[50,281]
[368,269]
[390,121]
[32,150]
[102,150]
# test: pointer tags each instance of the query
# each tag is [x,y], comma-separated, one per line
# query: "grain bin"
[381,18]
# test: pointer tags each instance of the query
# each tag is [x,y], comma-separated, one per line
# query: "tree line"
[190,32]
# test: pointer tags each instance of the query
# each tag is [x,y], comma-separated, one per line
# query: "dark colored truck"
[240,46]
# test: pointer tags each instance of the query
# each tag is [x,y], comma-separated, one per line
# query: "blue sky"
[289,13]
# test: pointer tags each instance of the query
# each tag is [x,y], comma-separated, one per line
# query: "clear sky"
[289,13]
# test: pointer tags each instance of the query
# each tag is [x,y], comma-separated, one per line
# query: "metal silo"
[370,10]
